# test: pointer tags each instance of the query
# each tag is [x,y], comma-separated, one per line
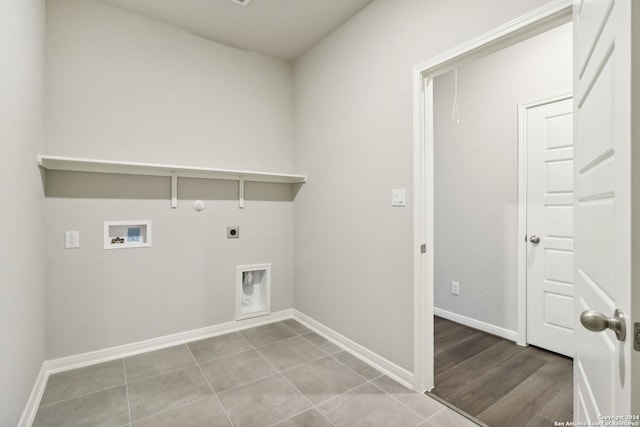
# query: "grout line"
[276,342]
[463,414]
[313,406]
[402,403]
[164,373]
[296,332]
[285,378]
[81,396]
[126,387]
[215,395]
[290,383]
[248,383]
[353,370]
[341,394]
[224,355]
[164,411]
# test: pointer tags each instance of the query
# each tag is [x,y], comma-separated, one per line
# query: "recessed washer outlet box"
[233,232]
[240,2]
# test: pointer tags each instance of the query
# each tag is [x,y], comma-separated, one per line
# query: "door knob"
[534,239]
[595,321]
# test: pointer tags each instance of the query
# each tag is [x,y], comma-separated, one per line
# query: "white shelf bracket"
[241,192]
[174,190]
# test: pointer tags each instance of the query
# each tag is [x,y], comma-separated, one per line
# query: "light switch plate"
[71,239]
[398,197]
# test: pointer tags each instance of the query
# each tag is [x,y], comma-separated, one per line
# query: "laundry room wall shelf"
[74,164]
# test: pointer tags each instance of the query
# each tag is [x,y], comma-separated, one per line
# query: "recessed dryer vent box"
[253,290]
[127,234]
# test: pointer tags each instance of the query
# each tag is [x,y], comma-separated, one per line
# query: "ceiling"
[283,29]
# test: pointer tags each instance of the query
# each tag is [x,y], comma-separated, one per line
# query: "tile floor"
[280,374]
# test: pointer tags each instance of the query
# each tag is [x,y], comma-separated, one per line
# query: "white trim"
[422,262]
[369,357]
[54,366]
[500,37]
[548,16]
[62,364]
[507,334]
[113,353]
[523,107]
[31,408]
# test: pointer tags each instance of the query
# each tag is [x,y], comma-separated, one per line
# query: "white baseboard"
[31,408]
[477,324]
[62,364]
[113,353]
[371,358]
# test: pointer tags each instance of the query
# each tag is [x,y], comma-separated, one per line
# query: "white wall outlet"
[398,197]
[455,288]
[71,239]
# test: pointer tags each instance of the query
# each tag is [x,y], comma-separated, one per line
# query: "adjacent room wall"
[123,87]
[22,278]
[354,138]
[476,172]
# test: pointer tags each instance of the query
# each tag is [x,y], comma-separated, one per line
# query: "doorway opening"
[477,122]
[538,22]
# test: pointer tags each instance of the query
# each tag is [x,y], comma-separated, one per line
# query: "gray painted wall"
[124,87]
[476,172]
[353,265]
[22,347]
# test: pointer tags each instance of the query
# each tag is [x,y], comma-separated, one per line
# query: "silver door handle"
[595,321]
[534,239]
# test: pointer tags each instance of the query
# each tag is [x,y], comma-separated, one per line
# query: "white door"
[549,177]
[602,91]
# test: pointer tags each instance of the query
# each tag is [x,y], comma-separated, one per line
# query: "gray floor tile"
[263,402]
[324,345]
[203,413]
[297,326]
[267,334]
[290,352]
[449,418]
[310,418]
[323,379]
[368,406]
[103,408]
[357,365]
[419,402]
[157,362]
[219,346]
[81,381]
[167,391]
[236,370]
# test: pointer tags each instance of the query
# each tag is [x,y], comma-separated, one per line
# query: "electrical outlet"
[71,239]
[233,232]
[455,288]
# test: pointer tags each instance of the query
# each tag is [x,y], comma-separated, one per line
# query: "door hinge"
[423,248]
[636,336]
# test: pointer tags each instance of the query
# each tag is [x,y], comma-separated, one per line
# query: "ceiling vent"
[240,2]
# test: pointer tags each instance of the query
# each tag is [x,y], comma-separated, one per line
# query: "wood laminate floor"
[499,382]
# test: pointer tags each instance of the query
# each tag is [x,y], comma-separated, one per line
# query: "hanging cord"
[455,113]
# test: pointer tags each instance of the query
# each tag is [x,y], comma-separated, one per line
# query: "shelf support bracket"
[241,192]
[174,190]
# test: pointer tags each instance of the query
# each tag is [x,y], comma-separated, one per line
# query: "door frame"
[549,16]
[523,109]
